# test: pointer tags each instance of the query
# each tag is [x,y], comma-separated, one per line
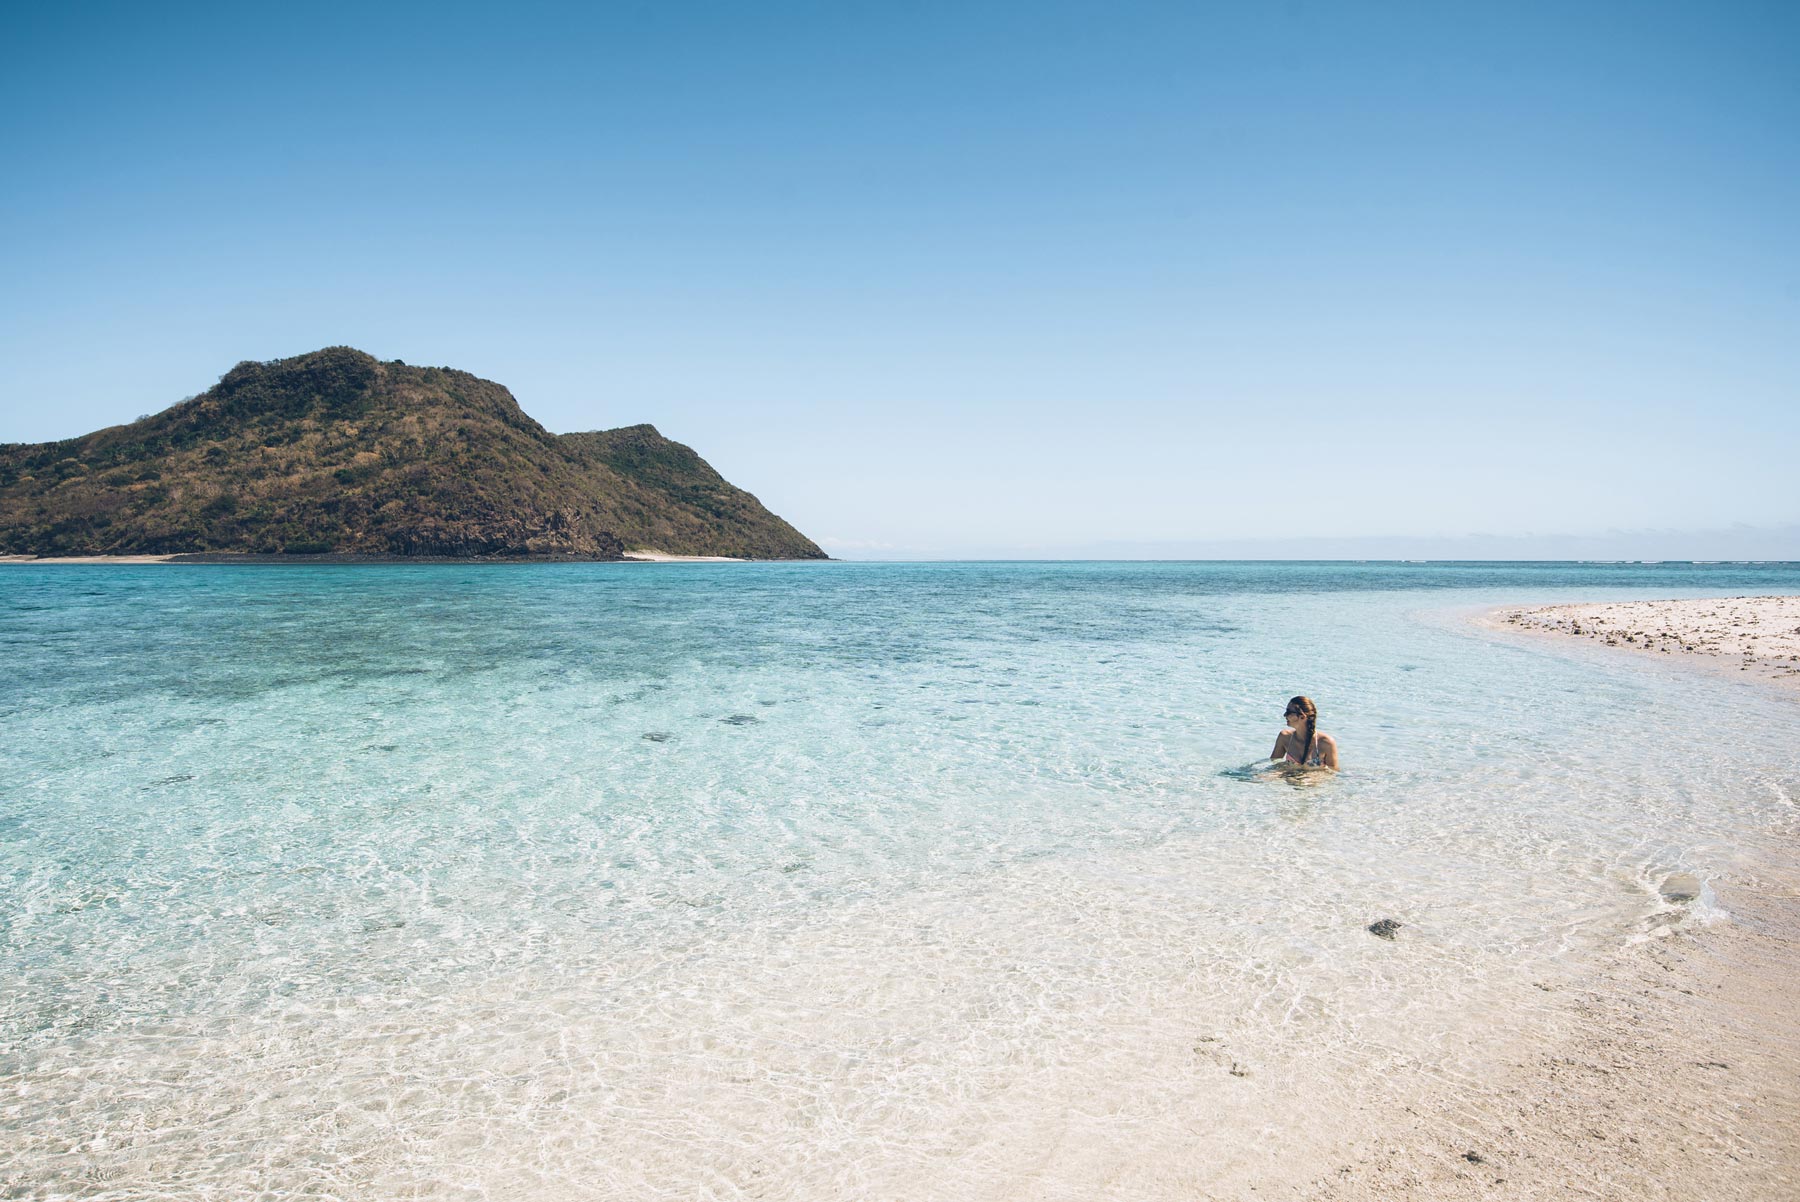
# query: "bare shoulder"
[1328,752]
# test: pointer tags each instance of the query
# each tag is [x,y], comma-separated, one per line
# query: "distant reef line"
[329,558]
[337,457]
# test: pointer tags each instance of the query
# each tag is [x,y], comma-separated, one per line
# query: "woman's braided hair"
[1311,712]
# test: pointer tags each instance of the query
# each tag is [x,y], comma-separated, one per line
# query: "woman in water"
[1301,742]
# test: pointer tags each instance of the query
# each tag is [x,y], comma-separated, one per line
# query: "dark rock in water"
[741,720]
[1474,1158]
[658,736]
[1680,887]
[1386,928]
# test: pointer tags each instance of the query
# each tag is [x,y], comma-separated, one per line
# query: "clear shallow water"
[804,880]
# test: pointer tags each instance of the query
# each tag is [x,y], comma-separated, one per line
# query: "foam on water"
[806,881]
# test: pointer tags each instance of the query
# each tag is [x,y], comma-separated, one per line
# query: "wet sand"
[1672,1069]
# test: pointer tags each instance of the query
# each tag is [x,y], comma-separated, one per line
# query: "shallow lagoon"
[807,880]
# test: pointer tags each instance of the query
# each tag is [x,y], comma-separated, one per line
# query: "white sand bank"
[86,559]
[1758,636]
[648,556]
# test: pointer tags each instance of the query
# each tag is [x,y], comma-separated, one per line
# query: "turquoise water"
[802,880]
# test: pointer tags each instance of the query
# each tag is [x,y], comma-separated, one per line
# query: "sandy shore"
[646,556]
[86,559]
[1672,1068]
[1759,636]
[1671,1071]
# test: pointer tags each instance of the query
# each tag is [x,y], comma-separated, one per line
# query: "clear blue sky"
[951,278]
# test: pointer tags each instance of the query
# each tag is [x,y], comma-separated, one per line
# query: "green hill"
[335,451]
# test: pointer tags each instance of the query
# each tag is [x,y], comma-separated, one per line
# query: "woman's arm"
[1328,752]
[1280,745]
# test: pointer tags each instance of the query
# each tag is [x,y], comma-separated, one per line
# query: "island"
[338,454]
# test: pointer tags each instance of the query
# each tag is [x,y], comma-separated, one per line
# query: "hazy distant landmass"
[338,452]
[1738,543]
